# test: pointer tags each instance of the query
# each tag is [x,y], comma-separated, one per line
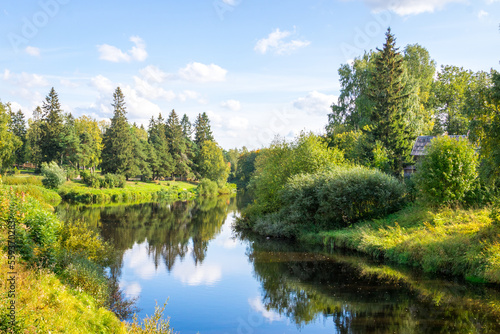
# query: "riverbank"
[53,274]
[134,191]
[462,242]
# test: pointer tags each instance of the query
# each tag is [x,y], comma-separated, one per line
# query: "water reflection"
[185,251]
[363,297]
[168,231]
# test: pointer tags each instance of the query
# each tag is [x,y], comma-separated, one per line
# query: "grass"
[69,293]
[458,242]
[134,191]
[44,304]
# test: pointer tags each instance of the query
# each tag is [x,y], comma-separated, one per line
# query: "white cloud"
[257,305]
[25,80]
[489,2]
[482,13]
[215,119]
[276,43]
[131,290]
[138,52]
[198,72]
[153,74]
[233,105]
[137,259]
[114,54]
[238,123]
[315,103]
[409,7]
[103,85]
[138,106]
[191,274]
[32,51]
[230,2]
[151,92]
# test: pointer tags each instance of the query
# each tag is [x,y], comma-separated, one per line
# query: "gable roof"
[422,141]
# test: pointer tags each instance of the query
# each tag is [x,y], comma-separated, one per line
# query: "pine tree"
[187,129]
[118,143]
[160,159]
[177,145]
[52,128]
[202,130]
[388,94]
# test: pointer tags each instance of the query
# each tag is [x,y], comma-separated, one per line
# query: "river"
[218,281]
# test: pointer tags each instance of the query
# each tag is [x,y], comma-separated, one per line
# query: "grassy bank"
[458,242]
[134,191]
[53,276]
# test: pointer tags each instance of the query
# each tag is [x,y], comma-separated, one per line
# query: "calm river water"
[218,282]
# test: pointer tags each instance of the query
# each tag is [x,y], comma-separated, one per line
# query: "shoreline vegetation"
[53,274]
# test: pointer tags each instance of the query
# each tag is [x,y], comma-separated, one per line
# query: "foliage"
[54,176]
[44,304]
[18,129]
[282,160]
[333,198]
[142,192]
[449,241]
[384,97]
[207,188]
[51,129]
[18,180]
[151,325]
[447,171]
[117,141]
[36,229]
[9,142]
[211,163]
[390,117]
[245,168]
[202,130]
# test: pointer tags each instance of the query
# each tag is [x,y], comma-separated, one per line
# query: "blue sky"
[258,68]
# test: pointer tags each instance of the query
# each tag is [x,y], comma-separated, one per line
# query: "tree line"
[171,148]
[390,97]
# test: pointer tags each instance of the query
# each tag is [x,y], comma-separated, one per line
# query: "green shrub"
[447,171]
[274,166]
[36,229]
[54,176]
[85,175]
[207,188]
[341,196]
[333,198]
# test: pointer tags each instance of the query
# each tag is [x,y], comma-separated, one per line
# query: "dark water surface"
[219,282]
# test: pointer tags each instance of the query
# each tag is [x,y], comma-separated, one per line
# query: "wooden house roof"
[422,141]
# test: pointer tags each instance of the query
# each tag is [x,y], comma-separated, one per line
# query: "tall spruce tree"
[202,130]
[387,93]
[161,161]
[51,129]
[177,145]
[118,143]
[187,127]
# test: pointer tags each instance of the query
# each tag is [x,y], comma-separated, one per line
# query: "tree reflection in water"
[170,229]
[360,297]
[303,285]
